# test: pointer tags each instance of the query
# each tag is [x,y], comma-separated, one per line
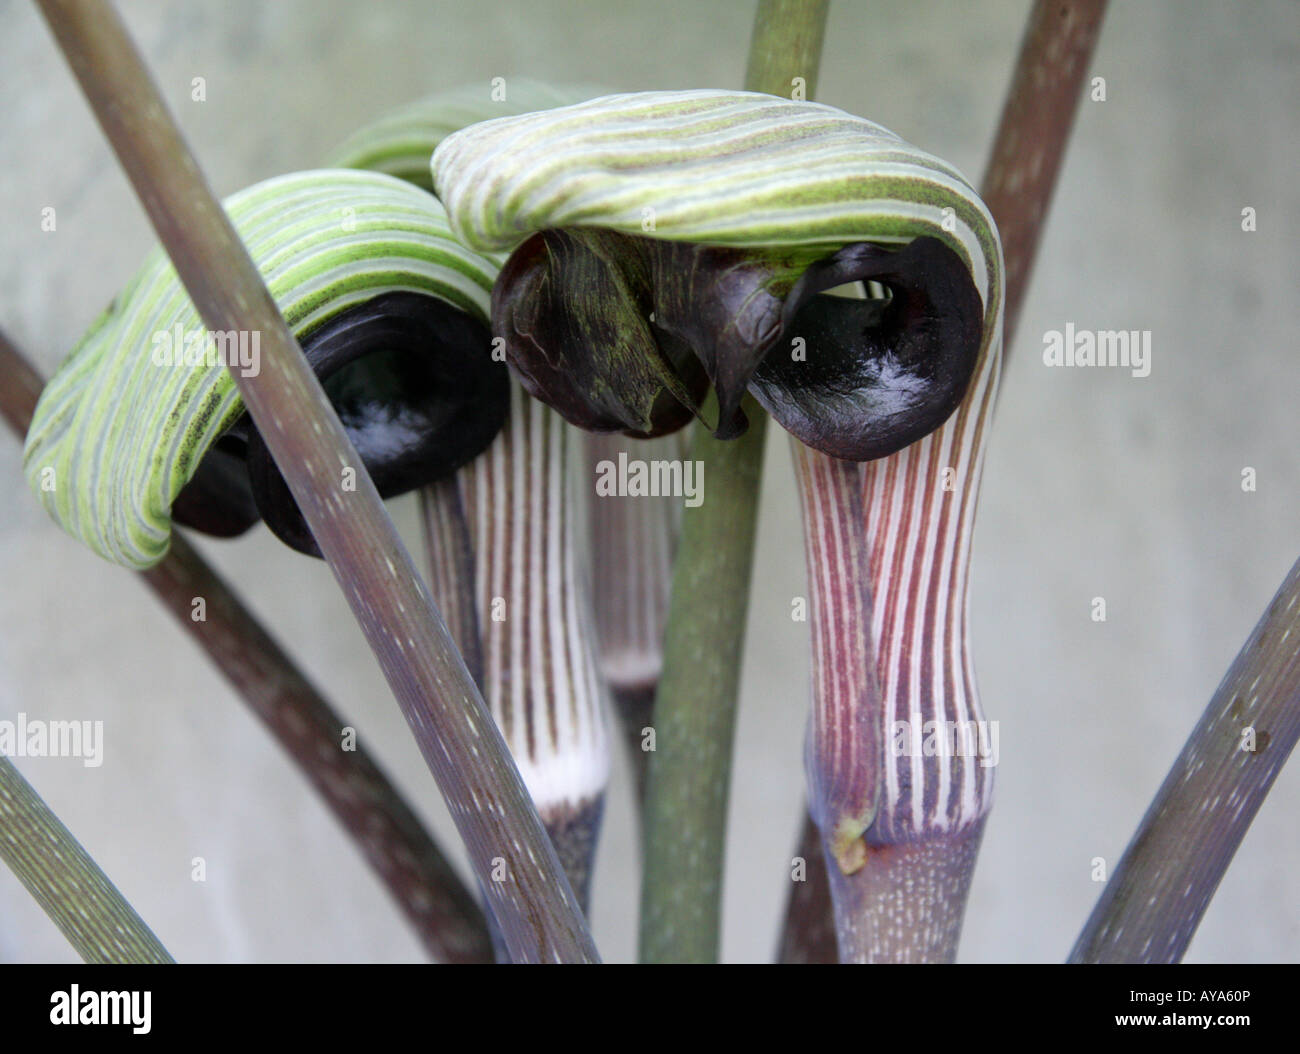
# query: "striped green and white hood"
[622,203]
[120,429]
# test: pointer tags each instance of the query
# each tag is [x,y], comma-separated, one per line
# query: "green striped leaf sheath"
[742,169]
[122,425]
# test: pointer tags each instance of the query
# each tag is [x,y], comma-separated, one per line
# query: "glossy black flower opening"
[415,386]
[625,333]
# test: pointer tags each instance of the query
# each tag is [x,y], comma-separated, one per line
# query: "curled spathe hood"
[665,241]
[400,142]
[135,430]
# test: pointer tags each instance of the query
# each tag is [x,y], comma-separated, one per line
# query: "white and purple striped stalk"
[845,742]
[631,541]
[507,524]
[906,901]
[658,176]
[888,547]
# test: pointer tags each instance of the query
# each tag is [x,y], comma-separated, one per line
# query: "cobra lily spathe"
[143,424]
[665,241]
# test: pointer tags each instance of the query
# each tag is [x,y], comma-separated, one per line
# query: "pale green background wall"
[1097,483]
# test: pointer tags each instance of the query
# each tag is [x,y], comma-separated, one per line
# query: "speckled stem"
[391,837]
[450,550]
[694,715]
[907,903]
[532,900]
[386,830]
[76,895]
[1157,894]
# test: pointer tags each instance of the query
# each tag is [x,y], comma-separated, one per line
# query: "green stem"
[694,715]
[509,848]
[695,707]
[76,895]
[787,43]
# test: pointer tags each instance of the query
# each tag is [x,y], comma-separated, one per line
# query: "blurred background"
[1097,483]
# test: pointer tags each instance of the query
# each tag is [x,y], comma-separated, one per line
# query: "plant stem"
[76,895]
[452,572]
[1155,898]
[1026,158]
[453,568]
[538,913]
[694,715]
[632,542]
[787,43]
[808,935]
[516,502]
[425,886]
[907,903]
[20,387]
[1033,133]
